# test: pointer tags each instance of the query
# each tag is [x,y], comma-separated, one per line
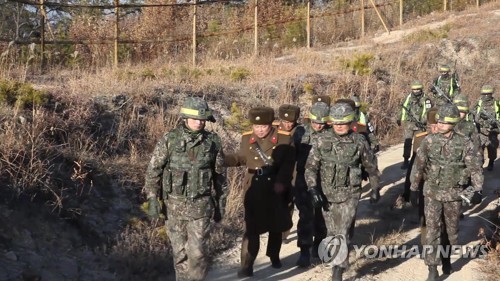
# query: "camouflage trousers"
[189,239]
[438,213]
[490,142]
[311,228]
[340,220]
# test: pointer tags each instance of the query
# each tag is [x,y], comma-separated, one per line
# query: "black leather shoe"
[245,272]
[405,165]
[304,260]
[276,263]
[490,165]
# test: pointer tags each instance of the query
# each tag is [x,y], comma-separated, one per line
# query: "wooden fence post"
[256,32]
[400,13]
[117,32]
[195,4]
[444,5]
[362,18]
[308,24]
[42,37]
[380,16]
[477,3]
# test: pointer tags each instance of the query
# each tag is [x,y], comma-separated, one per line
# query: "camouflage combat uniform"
[337,160]
[364,126]
[447,83]
[446,163]
[265,210]
[187,168]
[466,125]
[487,112]
[413,109]
[311,222]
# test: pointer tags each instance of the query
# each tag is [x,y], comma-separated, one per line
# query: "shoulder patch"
[247,133]
[421,134]
[281,132]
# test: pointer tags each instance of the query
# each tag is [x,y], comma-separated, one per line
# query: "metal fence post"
[308,24]
[256,32]
[195,4]
[117,32]
[42,37]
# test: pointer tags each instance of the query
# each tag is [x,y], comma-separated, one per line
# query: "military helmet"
[261,115]
[444,68]
[417,85]
[357,101]
[486,90]
[319,113]
[289,112]
[325,99]
[196,108]
[462,102]
[448,113]
[350,102]
[341,113]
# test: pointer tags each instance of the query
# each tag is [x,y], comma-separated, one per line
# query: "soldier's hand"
[376,148]
[374,196]
[398,122]
[279,187]
[414,198]
[316,198]
[153,208]
[476,198]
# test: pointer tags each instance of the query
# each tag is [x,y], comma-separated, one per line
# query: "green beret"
[325,99]
[289,112]
[261,115]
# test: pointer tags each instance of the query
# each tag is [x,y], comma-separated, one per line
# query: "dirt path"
[379,221]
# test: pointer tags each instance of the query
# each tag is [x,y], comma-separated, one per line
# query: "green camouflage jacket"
[446,165]
[338,160]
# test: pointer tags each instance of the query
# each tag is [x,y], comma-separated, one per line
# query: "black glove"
[414,198]
[316,198]
[399,122]
[476,198]
[153,208]
[374,196]
[376,148]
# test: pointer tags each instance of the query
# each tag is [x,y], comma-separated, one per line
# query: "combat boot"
[305,257]
[433,273]
[337,273]
[447,269]
[490,165]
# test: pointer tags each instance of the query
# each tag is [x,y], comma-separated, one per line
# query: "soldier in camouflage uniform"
[447,83]
[311,222]
[446,160]
[487,112]
[466,125]
[336,159]
[363,125]
[186,171]
[269,155]
[413,112]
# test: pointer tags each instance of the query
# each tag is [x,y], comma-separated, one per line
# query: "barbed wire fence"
[173,28]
